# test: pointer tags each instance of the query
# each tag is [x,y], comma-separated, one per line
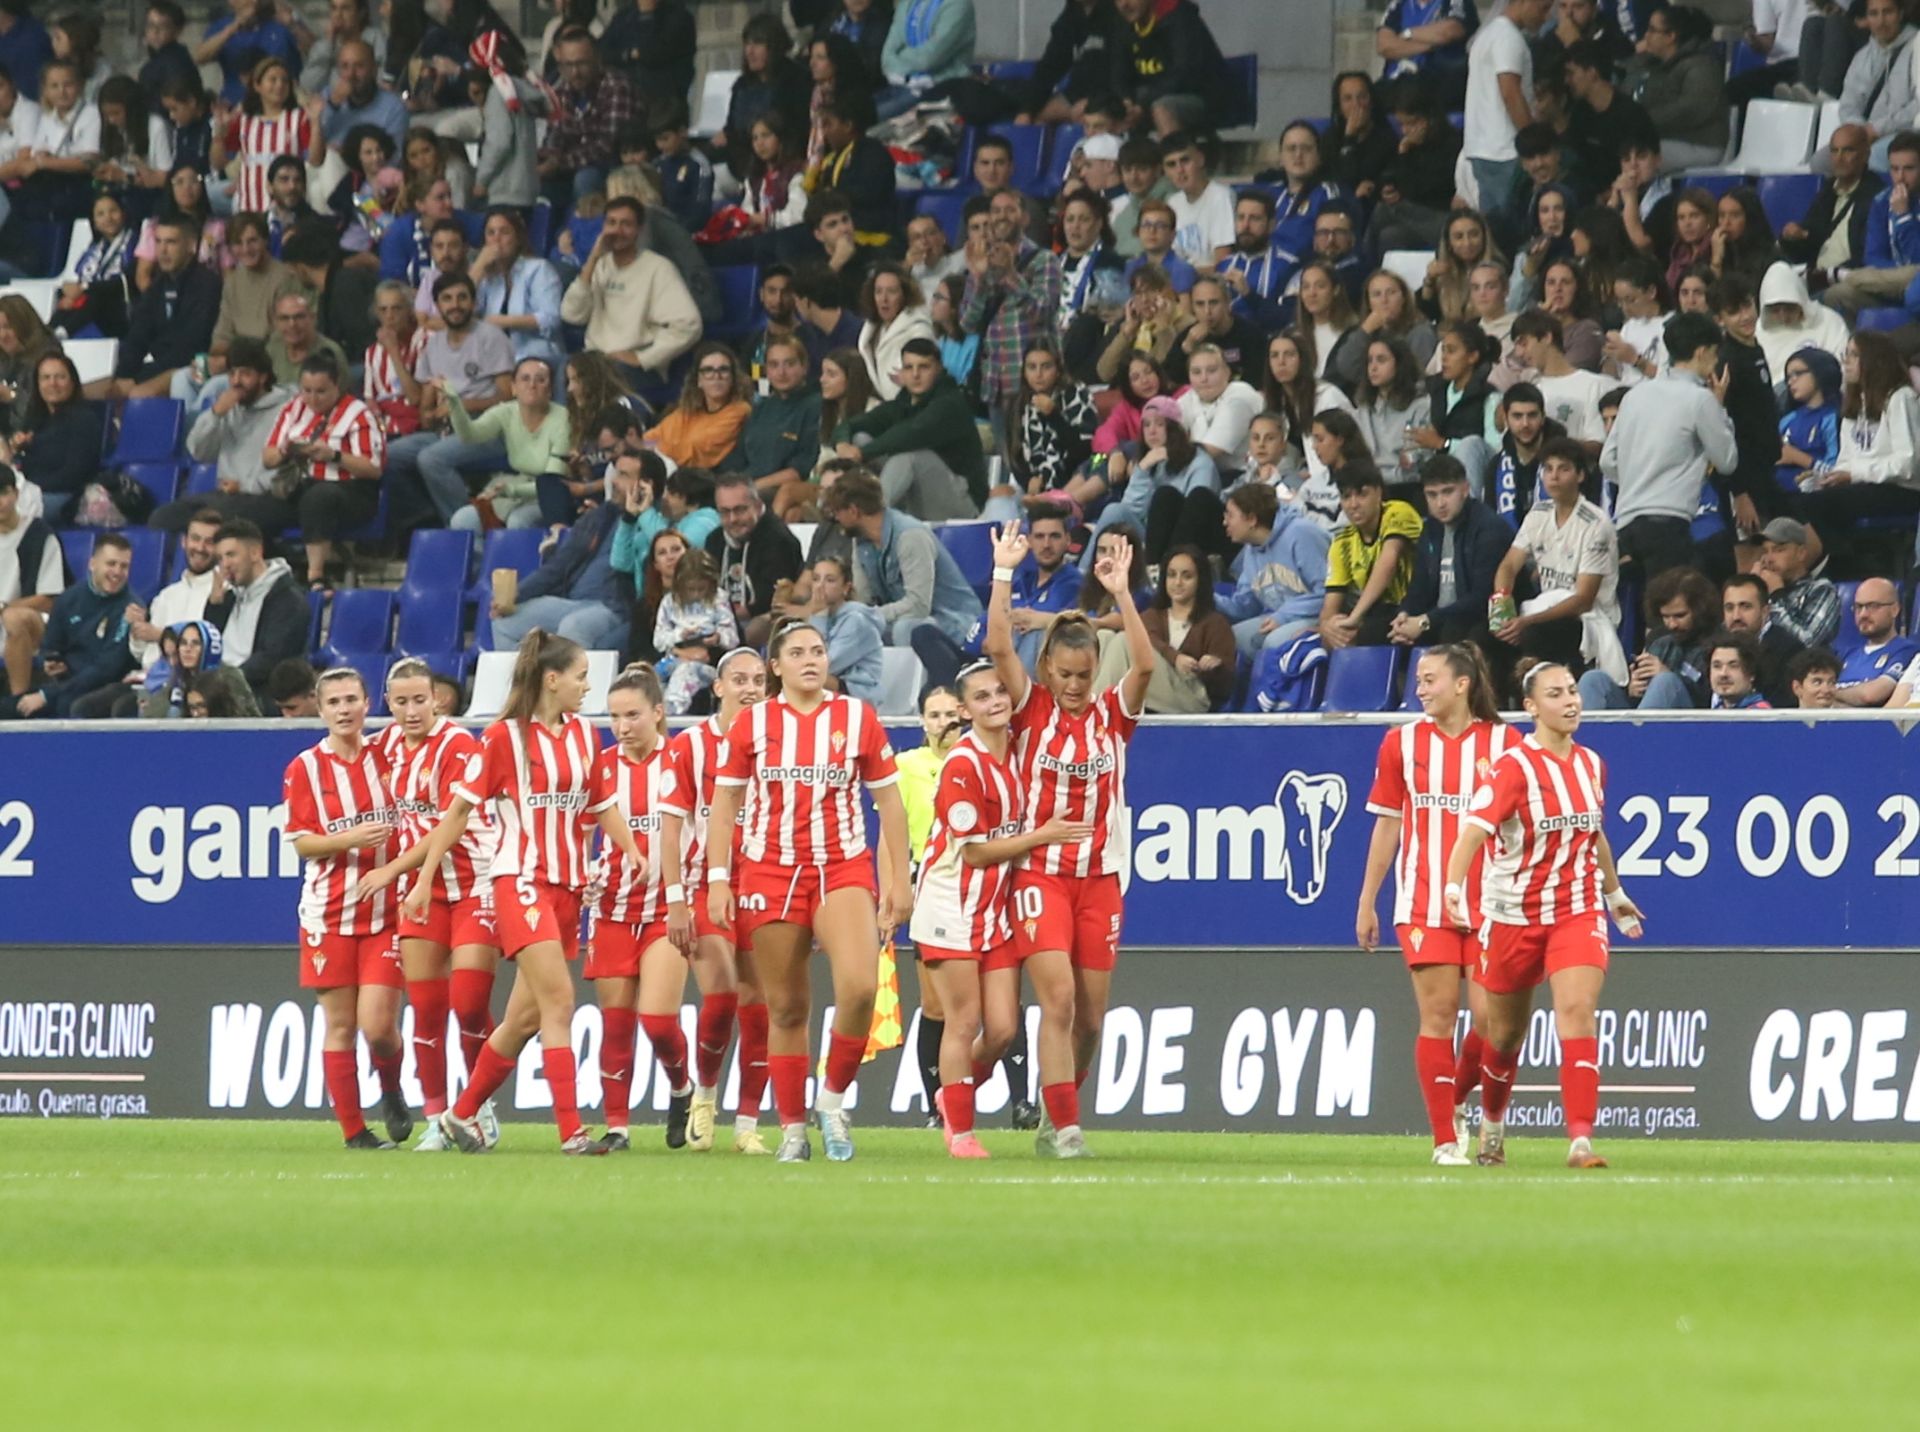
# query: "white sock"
[707,1092]
[830,1102]
[745,1123]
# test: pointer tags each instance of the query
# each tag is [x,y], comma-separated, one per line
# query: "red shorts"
[337,961]
[1438,945]
[703,926]
[1518,957]
[465,922]
[1076,913]
[614,947]
[1000,957]
[525,912]
[766,894]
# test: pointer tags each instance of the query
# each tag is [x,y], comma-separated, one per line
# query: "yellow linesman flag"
[886,1032]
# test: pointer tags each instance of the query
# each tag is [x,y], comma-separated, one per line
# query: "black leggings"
[1176,519]
[328,508]
[271,515]
[1832,511]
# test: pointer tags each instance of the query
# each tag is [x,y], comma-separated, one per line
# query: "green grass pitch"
[252,1275]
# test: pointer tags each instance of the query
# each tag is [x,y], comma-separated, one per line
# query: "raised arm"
[1009,550]
[1112,572]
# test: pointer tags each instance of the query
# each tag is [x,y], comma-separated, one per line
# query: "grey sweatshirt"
[1895,106]
[1668,430]
[236,440]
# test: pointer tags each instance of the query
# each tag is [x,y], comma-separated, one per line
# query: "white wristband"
[1617,898]
[717,875]
[1455,890]
[676,895]
[1003,574]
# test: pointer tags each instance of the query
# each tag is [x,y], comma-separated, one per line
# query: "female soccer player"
[1070,748]
[638,972]
[960,925]
[805,873]
[1427,774]
[340,818]
[1542,893]
[724,971]
[536,772]
[429,761]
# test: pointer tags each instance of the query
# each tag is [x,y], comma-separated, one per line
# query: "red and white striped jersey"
[351,428]
[259,141]
[1545,812]
[637,789]
[424,780]
[697,753]
[382,383]
[1075,768]
[957,906]
[1428,780]
[326,796]
[538,778]
[800,771]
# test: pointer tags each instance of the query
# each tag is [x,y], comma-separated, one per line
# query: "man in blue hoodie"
[85,645]
[1282,569]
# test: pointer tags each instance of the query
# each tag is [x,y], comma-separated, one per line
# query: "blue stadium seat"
[1717,184]
[77,544]
[585,232]
[1411,702]
[971,544]
[1363,678]
[162,479]
[1787,197]
[1240,86]
[1880,320]
[1060,153]
[1008,71]
[944,207]
[202,477]
[1029,143]
[539,227]
[438,559]
[474,221]
[150,431]
[739,286]
[1744,58]
[515,547]
[429,620]
[1848,639]
[361,621]
[372,666]
[149,560]
[149,557]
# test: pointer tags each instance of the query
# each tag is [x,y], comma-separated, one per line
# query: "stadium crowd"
[395,272]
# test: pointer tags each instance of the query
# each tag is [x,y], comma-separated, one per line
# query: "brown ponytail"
[540,653]
[1465,659]
[641,678]
[1068,631]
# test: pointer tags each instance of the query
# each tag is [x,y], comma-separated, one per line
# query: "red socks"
[343,1087]
[1496,1074]
[490,1070]
[1580,1085]
[559,1067]
[789,1073]
[956,1103]
[753,1059]
[387,1067]
[616,1064]
[1433,1062]
[471,994]
[1063,1104]
[715,1029]
[1466,1071]
[429,1001]
[669,1047]
[844,1053]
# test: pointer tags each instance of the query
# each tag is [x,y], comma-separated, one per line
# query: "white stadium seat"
[602,667]
[901,677]
[76,246]
[1409,264]
[39,292]
[93,358]
[1829,121]
[803,534]
[716,93]
[492,677]
[1777,137]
